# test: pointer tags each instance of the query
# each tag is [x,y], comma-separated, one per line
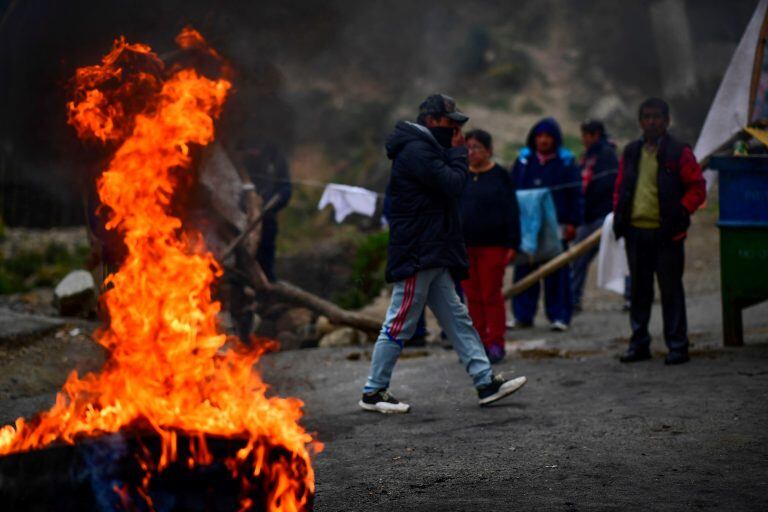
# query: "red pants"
[484,295]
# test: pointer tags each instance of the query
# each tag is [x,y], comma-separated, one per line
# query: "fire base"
[84,477]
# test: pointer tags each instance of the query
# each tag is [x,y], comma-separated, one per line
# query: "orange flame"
[163,369]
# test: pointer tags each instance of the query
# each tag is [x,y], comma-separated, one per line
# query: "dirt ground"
[586,433]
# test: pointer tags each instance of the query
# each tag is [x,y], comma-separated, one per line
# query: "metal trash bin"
[743,227]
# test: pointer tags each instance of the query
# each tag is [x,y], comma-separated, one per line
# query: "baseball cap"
[443,106]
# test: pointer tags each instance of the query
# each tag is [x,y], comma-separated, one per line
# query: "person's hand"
[569,233]
[511,255]
[458,138]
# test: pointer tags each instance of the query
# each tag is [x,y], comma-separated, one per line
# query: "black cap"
[440,105]
[593,126]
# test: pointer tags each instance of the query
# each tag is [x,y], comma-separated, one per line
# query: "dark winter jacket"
[680,182]
[425,185]
[269,173]
[528,172]
[489,211]
[599,168]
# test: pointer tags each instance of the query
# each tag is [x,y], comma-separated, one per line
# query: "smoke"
[339,73]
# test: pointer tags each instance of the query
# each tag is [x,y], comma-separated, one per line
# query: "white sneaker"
[559,326]
[381,401]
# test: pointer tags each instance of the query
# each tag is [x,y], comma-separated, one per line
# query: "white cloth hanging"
[347,199]
[612,267]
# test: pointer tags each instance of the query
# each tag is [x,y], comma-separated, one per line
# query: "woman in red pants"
[492,234]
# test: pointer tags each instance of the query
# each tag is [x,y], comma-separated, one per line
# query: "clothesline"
[320,184]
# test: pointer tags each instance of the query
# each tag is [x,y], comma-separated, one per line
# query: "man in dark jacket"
[599,167]
[658,188]
[426,251]
[545,163]
[267,170]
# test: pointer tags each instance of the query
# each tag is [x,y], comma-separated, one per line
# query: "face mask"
[443,135]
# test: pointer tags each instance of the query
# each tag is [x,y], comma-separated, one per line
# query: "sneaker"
[498,389]
[558,326]
[382,401]
[495,353]
[633,355]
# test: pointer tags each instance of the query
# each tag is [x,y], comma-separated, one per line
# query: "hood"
[546,125]
[405,132]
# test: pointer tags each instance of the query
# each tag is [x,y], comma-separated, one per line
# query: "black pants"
[649,254]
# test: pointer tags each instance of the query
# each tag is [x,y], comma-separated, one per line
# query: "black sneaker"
[381,401]
[498,389]
[676,358]
[633,356]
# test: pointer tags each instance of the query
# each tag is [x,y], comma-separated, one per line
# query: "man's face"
[588,139]
[653,123]
[478,154]
[442,122]
[545,143]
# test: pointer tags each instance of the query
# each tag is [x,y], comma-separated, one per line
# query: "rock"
[343,337]
[18,328]
[75,295]
[294,319]
[324,326]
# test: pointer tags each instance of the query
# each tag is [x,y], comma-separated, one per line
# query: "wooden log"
[554,264]
[255,278]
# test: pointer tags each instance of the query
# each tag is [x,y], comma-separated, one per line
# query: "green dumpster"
[743,227]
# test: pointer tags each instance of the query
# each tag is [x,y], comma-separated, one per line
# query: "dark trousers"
[265,254]
[649,254]
[558,302]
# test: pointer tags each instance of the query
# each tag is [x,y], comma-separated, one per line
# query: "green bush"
[367,272]
[29,269]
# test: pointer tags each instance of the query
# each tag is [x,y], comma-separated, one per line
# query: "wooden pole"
[554,264]
[247,231]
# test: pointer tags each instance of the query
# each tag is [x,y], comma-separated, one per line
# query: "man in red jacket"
[658,188]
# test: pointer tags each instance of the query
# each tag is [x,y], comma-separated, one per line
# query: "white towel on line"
[612,267]
[347,199]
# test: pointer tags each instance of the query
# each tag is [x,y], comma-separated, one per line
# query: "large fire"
[163,371]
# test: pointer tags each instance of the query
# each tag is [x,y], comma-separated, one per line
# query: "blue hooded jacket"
[424,189]
[528,173]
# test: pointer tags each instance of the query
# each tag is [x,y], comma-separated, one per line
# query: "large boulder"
[75,295]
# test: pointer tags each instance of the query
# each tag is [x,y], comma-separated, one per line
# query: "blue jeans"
[581,265]
[435,288]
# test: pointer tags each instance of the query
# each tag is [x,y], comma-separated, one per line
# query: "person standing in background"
[491,223]
[545,163]
[659,186]
[599,167]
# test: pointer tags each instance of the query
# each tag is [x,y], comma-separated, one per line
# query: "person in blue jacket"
[545,163]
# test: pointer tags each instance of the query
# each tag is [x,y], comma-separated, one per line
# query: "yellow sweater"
[645,204]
